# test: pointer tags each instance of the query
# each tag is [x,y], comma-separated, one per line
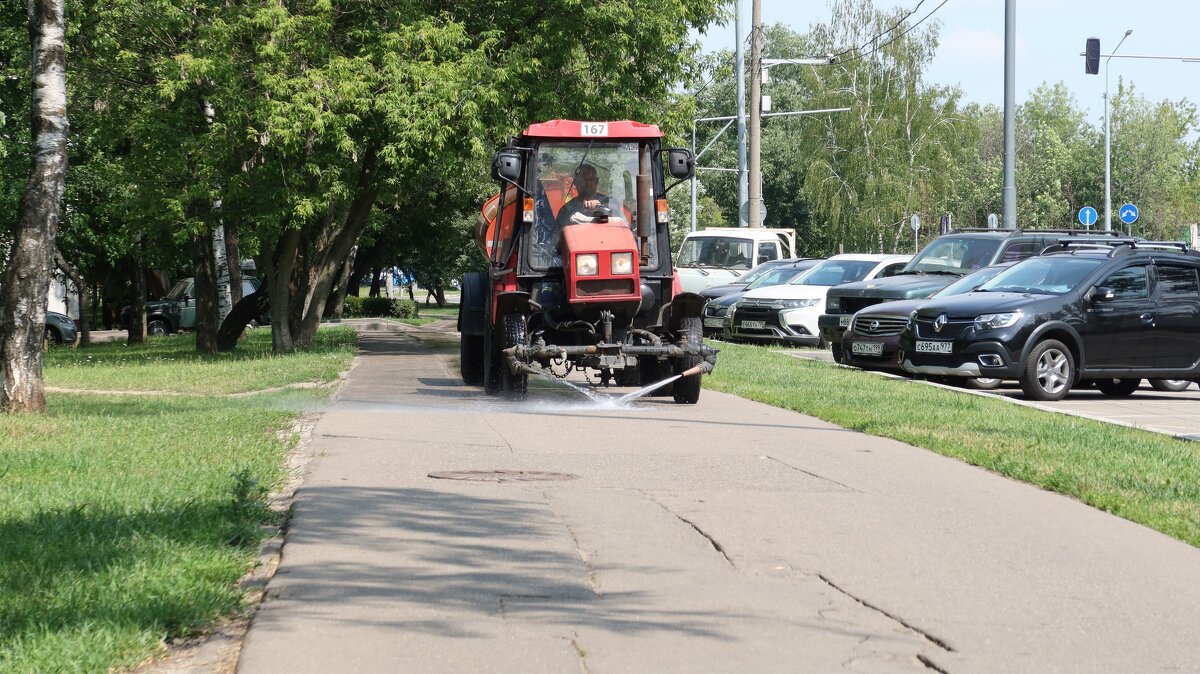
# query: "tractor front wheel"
[513,385]
[686,391]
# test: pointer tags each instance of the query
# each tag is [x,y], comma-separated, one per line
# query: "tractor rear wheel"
[686,391]
[513,385]
[470,359]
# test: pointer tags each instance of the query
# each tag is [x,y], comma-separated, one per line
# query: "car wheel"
[1048,372]
[1118,388]
[686,391]
[53,337]
[1169,384]
[983,383]
[838,354]
[158,328]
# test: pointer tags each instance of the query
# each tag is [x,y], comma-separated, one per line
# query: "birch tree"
[27,271]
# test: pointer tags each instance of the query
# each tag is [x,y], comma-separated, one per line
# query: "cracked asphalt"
[726,536]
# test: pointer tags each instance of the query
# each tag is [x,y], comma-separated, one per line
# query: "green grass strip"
[1145,477]
[127,520]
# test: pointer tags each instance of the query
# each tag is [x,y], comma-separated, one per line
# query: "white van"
[721,254]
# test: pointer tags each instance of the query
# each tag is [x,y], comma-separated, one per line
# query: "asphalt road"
[726,536]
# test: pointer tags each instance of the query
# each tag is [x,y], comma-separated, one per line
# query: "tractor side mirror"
[681,163]
[506,166]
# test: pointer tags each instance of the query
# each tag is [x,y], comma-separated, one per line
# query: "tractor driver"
[588,199]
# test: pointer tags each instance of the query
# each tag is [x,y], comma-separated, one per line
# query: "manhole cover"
[503,476]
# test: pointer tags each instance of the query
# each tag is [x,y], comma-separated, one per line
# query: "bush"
[404,309]
[378,307]
[353,308]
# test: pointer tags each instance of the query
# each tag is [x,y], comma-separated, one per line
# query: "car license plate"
[843,321]
[867,348]
[754,325]
[713,322]
[934,347]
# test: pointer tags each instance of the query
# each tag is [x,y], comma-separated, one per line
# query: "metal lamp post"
[1107,140]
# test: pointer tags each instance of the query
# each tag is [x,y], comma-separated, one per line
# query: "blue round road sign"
[1128,214]
[1087,216]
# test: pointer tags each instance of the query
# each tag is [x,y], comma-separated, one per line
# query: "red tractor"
[580,274]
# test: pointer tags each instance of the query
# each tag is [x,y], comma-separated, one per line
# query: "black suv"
[940,263]
[1114,313]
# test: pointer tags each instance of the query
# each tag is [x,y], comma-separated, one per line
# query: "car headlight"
[717,312]
[796,304]
[833,305]
[622,263]
[995,321]
[587,264]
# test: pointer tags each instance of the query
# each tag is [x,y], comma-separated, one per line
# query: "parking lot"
[1176,414]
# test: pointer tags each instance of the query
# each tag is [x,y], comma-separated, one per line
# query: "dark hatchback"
[777,274]
[713,292]
[1112,313]
[872,341]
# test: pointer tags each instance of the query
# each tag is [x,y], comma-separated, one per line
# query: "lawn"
[128,519]
[1149,478]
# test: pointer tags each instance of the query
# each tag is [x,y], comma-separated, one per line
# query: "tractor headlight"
[586,264]
[622,263]
[996,321]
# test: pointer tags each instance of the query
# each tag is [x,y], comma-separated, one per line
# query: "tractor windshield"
[577,182]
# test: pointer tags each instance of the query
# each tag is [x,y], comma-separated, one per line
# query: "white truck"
[720,254]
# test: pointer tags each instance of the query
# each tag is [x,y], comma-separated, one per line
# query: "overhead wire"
[863,54]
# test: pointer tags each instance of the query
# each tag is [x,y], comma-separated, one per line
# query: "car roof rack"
[1122,246]
[1066,230]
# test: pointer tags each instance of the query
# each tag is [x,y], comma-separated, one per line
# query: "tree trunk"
[344,283]
[233,253]
[247,309]
[72,272]
[279,263]
[376,274]
[137,308]
[27,272]
[207,309]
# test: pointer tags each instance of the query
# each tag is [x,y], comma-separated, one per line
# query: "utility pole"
[754,195]
[1009,193]
[740,60]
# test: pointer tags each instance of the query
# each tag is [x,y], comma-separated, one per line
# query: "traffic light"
[1091,56]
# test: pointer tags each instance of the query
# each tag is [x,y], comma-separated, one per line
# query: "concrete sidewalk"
[725,536]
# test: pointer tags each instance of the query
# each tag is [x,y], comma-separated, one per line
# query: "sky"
[1050,35]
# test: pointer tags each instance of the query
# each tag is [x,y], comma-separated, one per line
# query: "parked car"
[778,274]
[872,341]
[177,310]
[60,329]
[740,283]
[941,262]
[788,313]
[1113,314]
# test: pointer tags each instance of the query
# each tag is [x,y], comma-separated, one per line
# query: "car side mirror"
[681,163]
[1103,294]
[506,166]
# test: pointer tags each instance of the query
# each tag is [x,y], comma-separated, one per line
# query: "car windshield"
[774,277]
[758,272]
[954,255]
[835,273]
[1052,275]
[606,170]
[716,251]
[179,290]
[970,282]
